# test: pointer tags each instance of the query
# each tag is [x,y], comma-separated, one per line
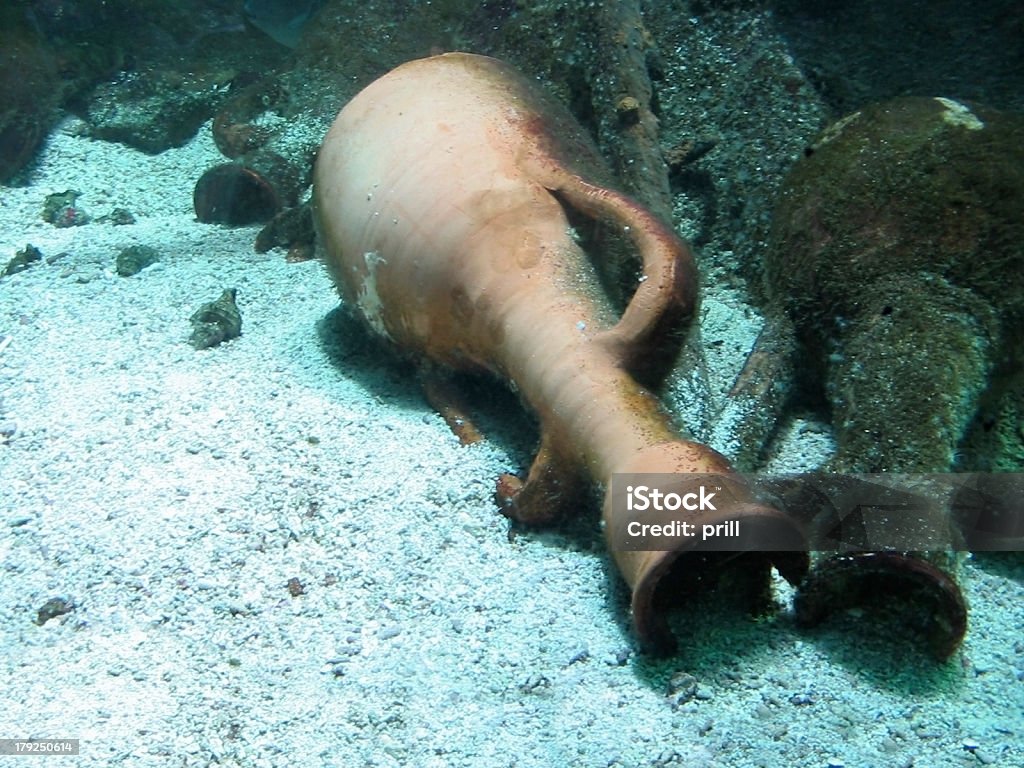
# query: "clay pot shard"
[439,196]
[251,190]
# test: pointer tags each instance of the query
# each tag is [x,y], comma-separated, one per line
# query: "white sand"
[171,494]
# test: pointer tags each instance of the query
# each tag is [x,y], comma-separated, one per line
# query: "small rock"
[117,217]
[682,688]
[889,745]
[534,683]
[22,260]
[52,608]
[135,258]
[216,321]
[581,655]
[353,647]
[290,227]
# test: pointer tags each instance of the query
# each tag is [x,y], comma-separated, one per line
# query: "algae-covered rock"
[22,260]
[119,217]
[62,209]
[153,110]
[136,258]
[897,249]
[291,228]
[216,321]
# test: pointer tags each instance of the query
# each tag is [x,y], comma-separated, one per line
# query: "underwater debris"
[136,258]
[216,321]
[61,209]
[22,260]
[251,190]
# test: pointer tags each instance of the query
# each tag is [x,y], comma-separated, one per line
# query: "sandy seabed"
[179,499]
